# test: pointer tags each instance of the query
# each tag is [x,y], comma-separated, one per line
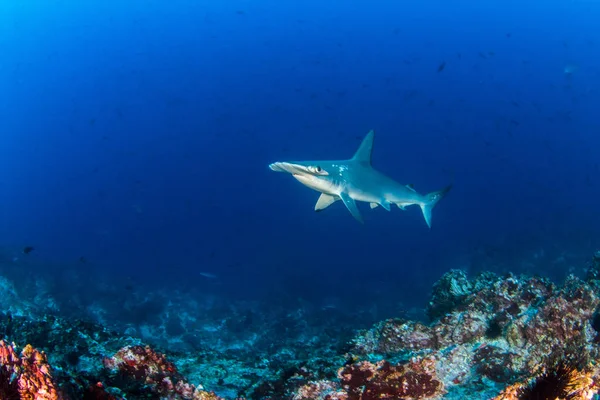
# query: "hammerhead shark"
[355,180]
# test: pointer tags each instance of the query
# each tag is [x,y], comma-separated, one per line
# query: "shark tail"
[430,201]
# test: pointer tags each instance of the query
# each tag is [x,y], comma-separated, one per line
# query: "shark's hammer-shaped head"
[326,176]
[317,175]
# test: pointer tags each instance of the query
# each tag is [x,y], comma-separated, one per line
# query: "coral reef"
[488,337]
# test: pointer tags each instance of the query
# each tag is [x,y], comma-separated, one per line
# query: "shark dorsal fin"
[363,154]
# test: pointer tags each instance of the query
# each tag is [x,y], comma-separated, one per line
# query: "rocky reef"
[490,337]
[486,337]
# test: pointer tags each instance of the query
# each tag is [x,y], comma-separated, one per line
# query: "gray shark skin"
[355,180]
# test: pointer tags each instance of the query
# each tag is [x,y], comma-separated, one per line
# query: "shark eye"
[317,170]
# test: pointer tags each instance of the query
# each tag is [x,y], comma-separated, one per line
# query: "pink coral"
[147,366]
[383,380]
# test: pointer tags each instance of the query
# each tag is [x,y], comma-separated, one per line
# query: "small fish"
[441,66]
[570,69]
[28,249]
[207,275]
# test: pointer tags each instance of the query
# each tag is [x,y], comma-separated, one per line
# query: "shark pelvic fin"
[363,154]
[351,206]
[325,201]
[431,200]
[383,204]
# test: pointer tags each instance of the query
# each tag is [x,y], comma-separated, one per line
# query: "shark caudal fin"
[430,201]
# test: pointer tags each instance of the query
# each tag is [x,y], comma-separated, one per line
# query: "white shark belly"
[359,195]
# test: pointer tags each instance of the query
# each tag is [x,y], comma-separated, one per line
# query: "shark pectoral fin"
[325,200]
[351,206]
[373,205]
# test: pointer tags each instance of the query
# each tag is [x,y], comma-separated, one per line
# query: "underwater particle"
[28,249]
[441,66]
[208,275]
[82,260]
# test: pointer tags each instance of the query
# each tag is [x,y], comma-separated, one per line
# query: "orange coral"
[30,371]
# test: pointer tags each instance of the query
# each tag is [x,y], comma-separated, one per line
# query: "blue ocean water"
[136,139]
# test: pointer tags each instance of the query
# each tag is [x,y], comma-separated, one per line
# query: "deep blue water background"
[137,135]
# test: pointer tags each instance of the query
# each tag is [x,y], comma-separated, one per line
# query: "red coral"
[30,371]
[147,366]
[97,392]
[368,381]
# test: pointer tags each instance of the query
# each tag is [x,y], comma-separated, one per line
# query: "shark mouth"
[290,168]
[298,169]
